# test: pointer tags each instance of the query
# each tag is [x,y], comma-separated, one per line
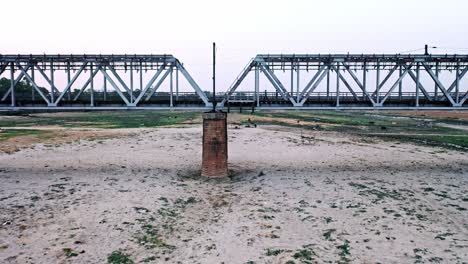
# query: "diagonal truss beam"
[194,85]
[407,69]
[3,67]
[439,83]
[313,87]
[158,84]
[312,81]
[343,79]
[33,83]
[46,78]
[463,100]
[90,79]
[356,79]
[116,88]
[278,83]
[117,76]
[390,73]
[148,86]
[421,87]
[72,81]
[454,84]
[239,80]
[273,82]
[17,80]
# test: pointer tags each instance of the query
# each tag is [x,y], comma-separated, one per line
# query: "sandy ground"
[307,197]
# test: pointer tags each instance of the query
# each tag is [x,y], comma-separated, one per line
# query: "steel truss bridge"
[114,92]
[333,82]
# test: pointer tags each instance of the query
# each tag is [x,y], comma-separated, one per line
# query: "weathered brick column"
[215,155]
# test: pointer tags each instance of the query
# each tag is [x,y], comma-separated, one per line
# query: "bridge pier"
[214,153]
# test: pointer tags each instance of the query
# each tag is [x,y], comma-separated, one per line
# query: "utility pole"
[214,77]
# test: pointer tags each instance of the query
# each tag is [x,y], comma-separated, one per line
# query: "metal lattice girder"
[109,68]
[358,93]
[356,61]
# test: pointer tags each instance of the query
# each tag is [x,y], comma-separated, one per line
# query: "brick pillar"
[214,158]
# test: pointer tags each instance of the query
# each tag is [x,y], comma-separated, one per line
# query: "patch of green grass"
[11,133]
[344,251]
[380,194]
[167,212]
[182,203]
[149,259]
[151,239]
[118,257]
[69,252]
[327,234]
[376,125]
[273,252]
[99,119]
[304,255]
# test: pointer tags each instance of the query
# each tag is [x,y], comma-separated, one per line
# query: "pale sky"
[240,28]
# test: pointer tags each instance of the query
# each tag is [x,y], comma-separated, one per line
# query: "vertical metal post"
[292,79]
[12,83]
[457,84]
[141,77]
[177,83]
[32,88]
[338,85]
[297,84]
[214,77]
[364,81]
[131,82]
[257,85]
[92,83]
[52,83]
[68,81]
[105,86]
[400,84]
[377,84]
[328,82]
[171,103]
[435,84]
[417,84]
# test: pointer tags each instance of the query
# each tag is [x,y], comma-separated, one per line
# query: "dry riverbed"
[294,197]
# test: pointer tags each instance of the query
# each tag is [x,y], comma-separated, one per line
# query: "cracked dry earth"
[294,197]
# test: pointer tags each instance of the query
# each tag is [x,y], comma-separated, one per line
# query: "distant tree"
[23,86]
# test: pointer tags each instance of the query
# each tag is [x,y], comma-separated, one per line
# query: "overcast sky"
[241,28]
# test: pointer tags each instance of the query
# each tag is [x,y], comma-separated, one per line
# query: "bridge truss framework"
[352,90]
[123,92]
[352,87]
